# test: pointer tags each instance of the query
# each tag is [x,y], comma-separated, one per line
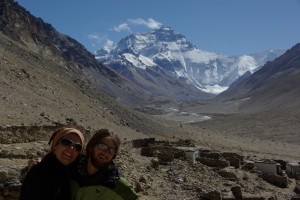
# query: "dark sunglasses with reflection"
[69,143]
[106,148]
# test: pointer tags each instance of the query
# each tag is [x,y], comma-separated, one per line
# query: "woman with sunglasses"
[49,179]
[97,176]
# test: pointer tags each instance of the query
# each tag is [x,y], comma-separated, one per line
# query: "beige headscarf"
[59,133]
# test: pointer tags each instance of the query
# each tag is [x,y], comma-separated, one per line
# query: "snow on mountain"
[140,61]
[172,52]
[199,56]
[268,55]
[246,63]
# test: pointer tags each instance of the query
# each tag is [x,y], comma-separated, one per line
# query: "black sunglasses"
[69,143]
[105,147]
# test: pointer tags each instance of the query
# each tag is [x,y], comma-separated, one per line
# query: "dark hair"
[98,137]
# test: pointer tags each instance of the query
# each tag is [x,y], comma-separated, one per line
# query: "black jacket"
[48,180]
[106,177]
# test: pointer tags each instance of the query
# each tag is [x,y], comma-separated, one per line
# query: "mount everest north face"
[164,51]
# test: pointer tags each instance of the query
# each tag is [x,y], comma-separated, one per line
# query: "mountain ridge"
[274,85]
[42,38]
[171,51]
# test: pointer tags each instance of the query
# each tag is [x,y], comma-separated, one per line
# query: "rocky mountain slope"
[275,85]
[36,90]
[46,41]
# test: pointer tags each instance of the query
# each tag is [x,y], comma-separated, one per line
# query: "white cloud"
[122,27]
[150,23]
[109,42]
[95,39]
[109,45]
[94,36]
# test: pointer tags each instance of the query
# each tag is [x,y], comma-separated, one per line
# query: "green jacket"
[122,191]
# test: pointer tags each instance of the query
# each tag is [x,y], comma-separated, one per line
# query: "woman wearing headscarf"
[96,176]
[49,179]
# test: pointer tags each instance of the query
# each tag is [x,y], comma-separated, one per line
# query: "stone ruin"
[24,134]
[165,152]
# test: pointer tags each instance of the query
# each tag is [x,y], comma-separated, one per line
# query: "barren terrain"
[38,91]
[181,179]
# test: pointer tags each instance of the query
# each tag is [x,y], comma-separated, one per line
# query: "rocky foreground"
[159,170]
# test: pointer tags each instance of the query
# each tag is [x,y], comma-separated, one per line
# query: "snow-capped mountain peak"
[173,53]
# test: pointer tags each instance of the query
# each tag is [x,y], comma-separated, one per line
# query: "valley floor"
[266,134]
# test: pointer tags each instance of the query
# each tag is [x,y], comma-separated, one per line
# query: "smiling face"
[64,153]
[100,157]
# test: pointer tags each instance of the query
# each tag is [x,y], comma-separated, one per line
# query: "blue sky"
[230,27]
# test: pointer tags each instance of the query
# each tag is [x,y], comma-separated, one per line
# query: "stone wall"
[24,134]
